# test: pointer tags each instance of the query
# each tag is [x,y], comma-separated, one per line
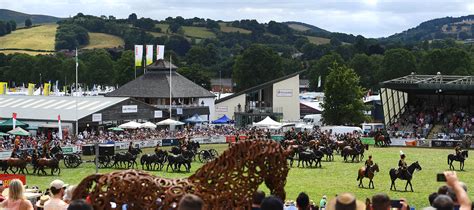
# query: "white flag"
[14,120]
[149,54]
[60,129]
[160,52]
[319,81]
[138,55]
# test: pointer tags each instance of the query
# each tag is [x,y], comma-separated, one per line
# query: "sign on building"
[158,114]
[129,109]
[179,110]
[221,108]
[284,93]
[97,117]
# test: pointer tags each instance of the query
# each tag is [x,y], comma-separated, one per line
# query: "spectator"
[1,191]
[432,197]
[381,201]
[68,194]
[345,201]
[79,205]
[190,202]
[57,188]
[257,198]
[272,203]
[443,202]
[302,201]
[461,195]
[16,200]
[322,202]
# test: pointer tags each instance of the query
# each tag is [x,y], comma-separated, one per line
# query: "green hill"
[20,18]
[101,40]
[298,26]
[35,38]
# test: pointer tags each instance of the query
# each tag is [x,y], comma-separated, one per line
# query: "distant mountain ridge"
[20,17]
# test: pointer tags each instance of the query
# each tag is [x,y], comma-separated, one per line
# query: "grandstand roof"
[432,83]
[49,107]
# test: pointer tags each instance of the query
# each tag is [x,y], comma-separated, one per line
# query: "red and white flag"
[60,129]
[160,52]
[14,120]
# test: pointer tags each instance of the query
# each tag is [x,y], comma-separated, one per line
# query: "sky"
[370,18]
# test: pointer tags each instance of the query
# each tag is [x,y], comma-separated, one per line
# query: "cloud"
[370,18]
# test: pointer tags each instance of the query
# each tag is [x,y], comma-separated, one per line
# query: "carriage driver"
[402,165]
[458,149]
[157,147]
[368,163]
[130,147]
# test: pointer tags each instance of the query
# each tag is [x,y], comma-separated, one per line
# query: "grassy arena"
[334,177]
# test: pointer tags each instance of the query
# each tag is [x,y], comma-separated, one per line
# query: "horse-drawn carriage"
[106,153]
[205,156]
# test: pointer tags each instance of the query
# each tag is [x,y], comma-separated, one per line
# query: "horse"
[404,176]
[308,156]
[176,161]
[380,140]
[452,157]
[226,182]
[353,152]
[52,163]
[361,174]
[19,163]
[328,152]
[129,158]
[151,160]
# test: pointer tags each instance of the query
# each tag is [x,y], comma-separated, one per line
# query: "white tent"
[148,125]
[170,122]
[267,122]
[341,129]
[130,125]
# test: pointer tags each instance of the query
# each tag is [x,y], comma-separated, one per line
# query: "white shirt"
[55,204]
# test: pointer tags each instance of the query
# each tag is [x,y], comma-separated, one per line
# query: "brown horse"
[380,140]
[227,182]
[18,163]
[361,174]
[52,163]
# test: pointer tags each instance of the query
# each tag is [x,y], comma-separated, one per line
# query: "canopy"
[9,123]
[115,129]
[223,120]
[267,122]
[148,125]
[194,119]
[170,122]
[130,125]
[19,132]
[4,134]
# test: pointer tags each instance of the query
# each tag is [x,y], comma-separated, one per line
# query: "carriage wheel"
[68,161]
[103,162]
[78,161]
[214,153]
[201,156]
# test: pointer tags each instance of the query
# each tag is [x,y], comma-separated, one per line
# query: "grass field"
[101,40]
[230,29]
[24,52]
[37,38]
[198,32]
[164,27]
[318,40]
[334,177]
[298,27]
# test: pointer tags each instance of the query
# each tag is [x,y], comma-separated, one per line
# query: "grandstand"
[429,106]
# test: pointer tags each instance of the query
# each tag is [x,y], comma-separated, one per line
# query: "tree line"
[7,27]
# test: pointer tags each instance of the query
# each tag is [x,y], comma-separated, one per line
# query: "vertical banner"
[14,119]
[60,129]
[149,55]
[31,89]
[138,55]
[46,89]
[319,81]
[160,52]
[3,88]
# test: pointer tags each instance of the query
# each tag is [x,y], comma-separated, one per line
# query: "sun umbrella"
[148,125]
[170,122]
[115,129]
[130,125]
[19,132]
[4,134]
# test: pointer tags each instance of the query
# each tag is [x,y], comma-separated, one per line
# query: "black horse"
[308,156]
[356,152]
[153,160]
[176,161]
[328,152]
[403,175]
[461,157]
[128,159]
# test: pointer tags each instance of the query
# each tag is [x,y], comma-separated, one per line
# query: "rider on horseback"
[130,147]
[368,163]
[458,150]
[402,165]
[157,148]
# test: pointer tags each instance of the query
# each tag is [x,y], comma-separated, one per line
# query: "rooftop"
[432,83]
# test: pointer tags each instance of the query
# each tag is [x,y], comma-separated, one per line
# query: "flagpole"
[75,99]
[170,87]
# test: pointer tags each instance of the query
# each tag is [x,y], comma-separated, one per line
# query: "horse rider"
[130,147]
[157,148]
[368,163]
[45,148]
[458,150]
[402,165]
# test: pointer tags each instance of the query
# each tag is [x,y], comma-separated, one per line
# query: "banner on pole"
[138,55]
[149,54]
[3,88]
[60,129]
[160,52]
[14,119]
[31,88]
[46,89]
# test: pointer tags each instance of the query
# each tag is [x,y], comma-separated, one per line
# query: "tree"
[145,23]
[100,68]
[13,25]
[397,63]
[8,27]
[446,61]
[3,28]
[178,44]
[124,68]
[256,65]
[28,23]
[174,27]
[321,69]
[360,44]
[196,74]
[132,17]
[343,103]
[362,65]
[335,42]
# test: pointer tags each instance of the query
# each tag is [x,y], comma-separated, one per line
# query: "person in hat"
[42,201]
[458,149]
[345,201]
[323,202]
[402,165]
[57,188]
[157,147]
[368,163]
